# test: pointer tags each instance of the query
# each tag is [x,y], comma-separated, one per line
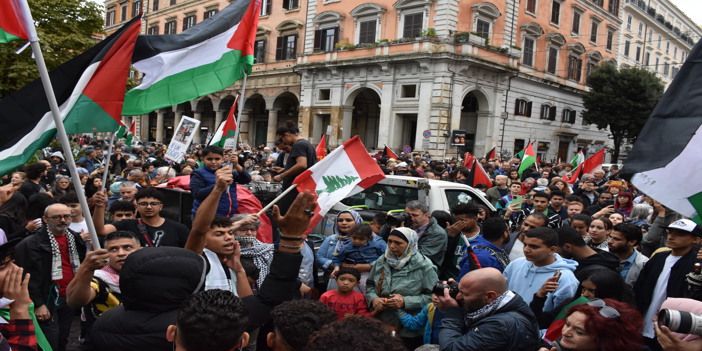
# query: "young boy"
[361,250]
[526,275]
[429,318]
[346,301]
[202,181]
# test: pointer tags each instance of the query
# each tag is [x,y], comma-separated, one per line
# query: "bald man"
[486,316]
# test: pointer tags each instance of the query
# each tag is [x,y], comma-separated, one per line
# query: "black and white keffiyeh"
[261,253]
[56,269]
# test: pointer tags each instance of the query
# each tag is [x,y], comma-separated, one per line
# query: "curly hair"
[613,334]
[149,192]
[211,312]
[355,333]
[295,321]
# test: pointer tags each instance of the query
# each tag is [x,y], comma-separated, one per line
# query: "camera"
[680,321]
[396,219]
[452,286]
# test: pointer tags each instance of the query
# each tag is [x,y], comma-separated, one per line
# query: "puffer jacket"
[414,282]
[512,327]
[202,182]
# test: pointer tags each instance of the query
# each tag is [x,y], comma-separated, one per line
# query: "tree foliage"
[621,100]
[65,28]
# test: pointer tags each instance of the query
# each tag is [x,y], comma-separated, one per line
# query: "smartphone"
[517,200]
[609,203]
[557,274]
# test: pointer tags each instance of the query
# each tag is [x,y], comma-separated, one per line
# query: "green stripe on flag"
[86,116]
[180,87]
[696,201]
[6,37]
[11,163]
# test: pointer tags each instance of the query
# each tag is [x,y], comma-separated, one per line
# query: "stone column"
[144,128]
[426,87]
[245,127]
[160,116]
[249,137]
[347,116]
[272,127]
[178,117]
[197,138]
[386,123]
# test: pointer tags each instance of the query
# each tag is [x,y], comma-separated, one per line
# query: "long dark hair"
[610,285]
[16,208]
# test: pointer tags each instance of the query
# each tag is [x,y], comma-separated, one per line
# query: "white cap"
[402,164]
[685,225]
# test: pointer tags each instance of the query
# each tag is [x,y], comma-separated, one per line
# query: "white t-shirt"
[517,250]
[659,295]
[78,226]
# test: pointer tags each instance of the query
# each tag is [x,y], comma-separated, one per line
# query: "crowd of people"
[557,266]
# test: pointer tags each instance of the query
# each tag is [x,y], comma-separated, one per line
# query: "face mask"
[246,240]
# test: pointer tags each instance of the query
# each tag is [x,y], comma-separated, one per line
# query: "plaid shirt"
[19,334]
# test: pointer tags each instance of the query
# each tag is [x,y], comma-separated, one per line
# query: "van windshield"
[383,197]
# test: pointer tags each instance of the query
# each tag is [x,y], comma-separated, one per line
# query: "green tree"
[66,28]
[621,100]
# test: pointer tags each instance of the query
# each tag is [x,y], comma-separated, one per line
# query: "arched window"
[484,16]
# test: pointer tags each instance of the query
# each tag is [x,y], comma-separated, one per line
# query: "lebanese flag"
[479,176]
[89,90]
[587,166]
[528,158]
[468,160]
[226,133]
[204,59]
[389,152]
[346,171]
[12,25]
[491,154]
[321,149]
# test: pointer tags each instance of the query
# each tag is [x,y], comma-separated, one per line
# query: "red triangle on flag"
[321,149]
[389,152]
[11,24]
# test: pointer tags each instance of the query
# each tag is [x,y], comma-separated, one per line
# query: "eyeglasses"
[247,230]
[605,311]
[59,217]
[146,204]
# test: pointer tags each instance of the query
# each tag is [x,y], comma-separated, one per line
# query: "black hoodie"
[598,261]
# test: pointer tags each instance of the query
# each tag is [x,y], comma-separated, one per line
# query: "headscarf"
[344,239]
[412,238]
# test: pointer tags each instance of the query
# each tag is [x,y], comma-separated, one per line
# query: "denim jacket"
[367,253]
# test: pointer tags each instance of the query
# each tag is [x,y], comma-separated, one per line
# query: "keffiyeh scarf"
[472,317]
[110,276]
[56,272]
[261,253]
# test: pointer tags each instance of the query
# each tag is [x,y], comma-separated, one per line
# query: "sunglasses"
[605,311]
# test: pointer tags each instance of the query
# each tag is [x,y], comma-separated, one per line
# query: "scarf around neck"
[262,255]
[56,269]
[110,276]
[472,317]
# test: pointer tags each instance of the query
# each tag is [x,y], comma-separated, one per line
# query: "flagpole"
[242,97]
[107,162]
[58,121]
[263,210]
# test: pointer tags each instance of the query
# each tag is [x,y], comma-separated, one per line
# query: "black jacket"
[154,283]
[514,319]
[34,255]
[677,285]
[598,261]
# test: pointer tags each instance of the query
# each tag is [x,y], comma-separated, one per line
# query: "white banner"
[182,138]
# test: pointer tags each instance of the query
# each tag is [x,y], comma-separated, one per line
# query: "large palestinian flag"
[89,90]
[204,59]
[666,160]
[12,26]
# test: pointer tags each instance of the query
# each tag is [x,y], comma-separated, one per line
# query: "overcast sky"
[692,8]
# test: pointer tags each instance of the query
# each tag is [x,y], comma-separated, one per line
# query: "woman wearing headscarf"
[345,221]
[401,279]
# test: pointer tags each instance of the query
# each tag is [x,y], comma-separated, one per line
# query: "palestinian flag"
[89,90]
[578,159]
[468,160]
[593,162]
[344,172]
[389,152]
[206,58]
[127,133]
[665,160]
[491,154]
[528,158]
[554,330]
[227,130]
[321,149]
[12,25]
[479,176]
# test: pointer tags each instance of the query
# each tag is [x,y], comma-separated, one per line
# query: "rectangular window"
[627,46]
[552,60]
[658,61]
[650,35]
[576,23]
[599,3]
[169,27]
[610,40]
[675,71]
[548,112]
[613,7]
[154,7]
[291,4]
[628,22]
[123,12]
[666,68]
[324,95]
[667,48]
[482,27]
[188,22]
[153,30]
[522,108]
[366,31]
[556,12]
[641,29]
[266,7]
[528,52]
[209,13]
[593,32]
[659,41]
[568,116]
[638,54]
[413,24]
[682,56]
[173,2]
[408,91]
[110,17]
[287,47]
[518,145]
[326,39]
[259,51]
[531,6]
[647,60]
[575,65]
[675,52]
[136,8]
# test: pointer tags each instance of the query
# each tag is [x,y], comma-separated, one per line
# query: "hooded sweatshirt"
[525,279]
[598,261]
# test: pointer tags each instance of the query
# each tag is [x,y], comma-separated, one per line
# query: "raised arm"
[207,210]
[100,200]
[79,292]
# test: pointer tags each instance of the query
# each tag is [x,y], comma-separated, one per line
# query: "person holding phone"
[514,189]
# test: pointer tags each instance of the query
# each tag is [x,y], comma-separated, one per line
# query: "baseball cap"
[685,225]
[8,248]
[402,164]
